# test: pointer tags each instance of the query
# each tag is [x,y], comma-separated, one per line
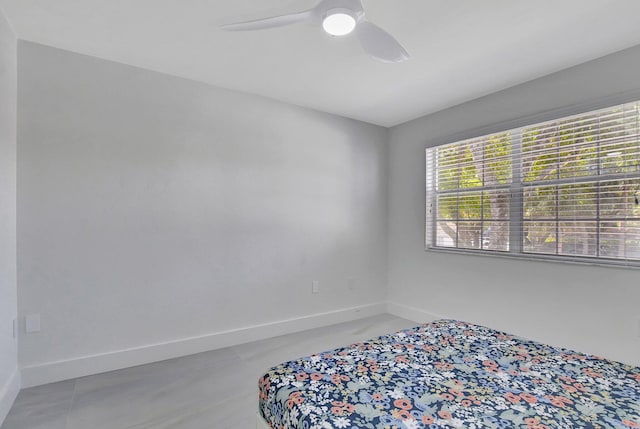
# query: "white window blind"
[565,189]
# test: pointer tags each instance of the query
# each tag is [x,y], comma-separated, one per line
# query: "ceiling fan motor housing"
[326,8]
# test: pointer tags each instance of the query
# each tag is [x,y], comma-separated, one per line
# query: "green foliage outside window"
[575,184]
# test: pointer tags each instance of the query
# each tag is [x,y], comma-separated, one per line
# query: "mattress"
[450,374]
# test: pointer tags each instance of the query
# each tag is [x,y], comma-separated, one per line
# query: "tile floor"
[216,389]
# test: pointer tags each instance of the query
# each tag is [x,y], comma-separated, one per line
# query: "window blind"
[566,189]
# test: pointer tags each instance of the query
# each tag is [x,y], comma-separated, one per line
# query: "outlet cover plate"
[32,323]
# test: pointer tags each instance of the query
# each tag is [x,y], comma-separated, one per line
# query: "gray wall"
[591,309]
[9,377]
[154,209]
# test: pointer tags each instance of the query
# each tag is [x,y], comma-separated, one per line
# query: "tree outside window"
[568,187]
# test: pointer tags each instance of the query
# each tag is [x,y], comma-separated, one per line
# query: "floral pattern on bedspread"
[450,374]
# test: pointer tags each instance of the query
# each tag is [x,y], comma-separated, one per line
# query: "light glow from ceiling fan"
[339,22]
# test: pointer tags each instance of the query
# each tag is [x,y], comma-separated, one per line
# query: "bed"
[450,374]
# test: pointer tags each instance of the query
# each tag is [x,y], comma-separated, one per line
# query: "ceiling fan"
[338,18]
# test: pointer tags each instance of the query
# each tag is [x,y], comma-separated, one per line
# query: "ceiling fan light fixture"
[339,22]
[338,18]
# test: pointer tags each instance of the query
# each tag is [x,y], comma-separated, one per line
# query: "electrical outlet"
[315,286]
[352,283]
[32,323]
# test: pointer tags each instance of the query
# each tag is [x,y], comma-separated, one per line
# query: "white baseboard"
[8,394]
[412,313]
[51,372]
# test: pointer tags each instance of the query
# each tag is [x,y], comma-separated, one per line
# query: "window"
[563,189]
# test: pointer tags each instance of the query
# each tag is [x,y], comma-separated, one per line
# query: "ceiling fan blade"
[380,44]
[271,22]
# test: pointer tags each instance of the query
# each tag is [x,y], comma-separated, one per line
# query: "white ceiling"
[460,49]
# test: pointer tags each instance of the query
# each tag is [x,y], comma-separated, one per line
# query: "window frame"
[516,186]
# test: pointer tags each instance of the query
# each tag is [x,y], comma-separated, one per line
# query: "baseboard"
[51,372]
[412,313]
[8,394]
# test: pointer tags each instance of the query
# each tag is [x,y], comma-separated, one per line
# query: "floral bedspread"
[450,374]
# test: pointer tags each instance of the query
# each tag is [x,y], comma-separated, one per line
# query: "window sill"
[533,257]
